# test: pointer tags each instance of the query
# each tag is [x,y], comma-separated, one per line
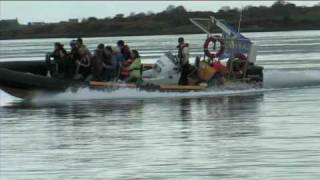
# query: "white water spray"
[273,80]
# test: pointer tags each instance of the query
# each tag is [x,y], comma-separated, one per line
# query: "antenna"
[240,20]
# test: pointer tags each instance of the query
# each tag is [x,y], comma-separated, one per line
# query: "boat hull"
[27,79]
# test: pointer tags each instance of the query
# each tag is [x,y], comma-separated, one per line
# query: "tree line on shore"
[173,20]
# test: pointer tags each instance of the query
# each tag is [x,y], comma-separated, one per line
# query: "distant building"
[36,23]
[73,20]
[9,23]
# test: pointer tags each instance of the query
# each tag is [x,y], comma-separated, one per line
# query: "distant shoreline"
[281,16]
[153,34]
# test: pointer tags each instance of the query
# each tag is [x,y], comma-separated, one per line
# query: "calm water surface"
[270,133]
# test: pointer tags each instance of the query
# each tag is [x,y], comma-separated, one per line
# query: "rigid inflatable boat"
[236,53]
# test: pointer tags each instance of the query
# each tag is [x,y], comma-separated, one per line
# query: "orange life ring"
[213,39]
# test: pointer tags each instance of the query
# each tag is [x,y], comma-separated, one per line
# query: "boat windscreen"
[235,46]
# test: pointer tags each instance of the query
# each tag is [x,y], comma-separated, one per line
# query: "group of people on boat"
[106,63]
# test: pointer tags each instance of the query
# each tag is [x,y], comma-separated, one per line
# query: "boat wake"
[87,94]
[273,80]
[298,78]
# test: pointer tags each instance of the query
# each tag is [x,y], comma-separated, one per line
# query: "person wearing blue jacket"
[113,63]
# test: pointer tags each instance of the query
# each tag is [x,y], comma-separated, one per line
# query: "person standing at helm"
[183,56]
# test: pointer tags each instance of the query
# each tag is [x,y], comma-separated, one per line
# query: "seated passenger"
[127,59]
[117,61]
[110,64]
[70,63]
[83,65]
[124,49]
[82,49]
[218,77]
[97,63]
[74,53]
[135,67]
[59,54]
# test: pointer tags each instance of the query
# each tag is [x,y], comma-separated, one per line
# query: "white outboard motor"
[165,71]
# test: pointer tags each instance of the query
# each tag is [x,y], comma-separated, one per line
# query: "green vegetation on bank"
[173,20]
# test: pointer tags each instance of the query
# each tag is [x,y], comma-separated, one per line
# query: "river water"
[269,133]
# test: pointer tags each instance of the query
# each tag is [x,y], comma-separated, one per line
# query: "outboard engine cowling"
[165,71]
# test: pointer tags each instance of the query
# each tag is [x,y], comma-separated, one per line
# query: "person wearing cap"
[183,57]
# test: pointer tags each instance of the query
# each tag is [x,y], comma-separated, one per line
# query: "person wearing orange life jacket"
[183,56]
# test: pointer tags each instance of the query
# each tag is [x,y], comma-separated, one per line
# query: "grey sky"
[54,11]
